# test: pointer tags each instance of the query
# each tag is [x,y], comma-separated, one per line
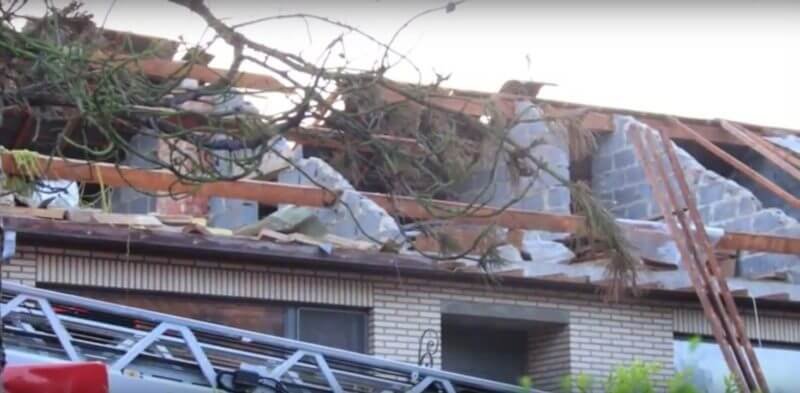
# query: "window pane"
[333,328]
[780,365]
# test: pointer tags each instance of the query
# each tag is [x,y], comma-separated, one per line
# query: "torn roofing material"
[51,229]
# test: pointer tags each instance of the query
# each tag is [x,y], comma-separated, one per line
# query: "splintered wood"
[676,201]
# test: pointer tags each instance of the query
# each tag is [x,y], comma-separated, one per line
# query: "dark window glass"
[333,328]
[243,314]
[496,354]
[338,328]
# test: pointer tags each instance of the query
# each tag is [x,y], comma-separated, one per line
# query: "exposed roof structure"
[190,234]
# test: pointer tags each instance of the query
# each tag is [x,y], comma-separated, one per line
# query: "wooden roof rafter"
[273,193]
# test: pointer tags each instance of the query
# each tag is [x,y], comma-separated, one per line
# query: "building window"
[336,328]
[333,327]
[708,367]
[502,351]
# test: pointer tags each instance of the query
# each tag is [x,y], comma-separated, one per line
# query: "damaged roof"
[190,237]
[303,236]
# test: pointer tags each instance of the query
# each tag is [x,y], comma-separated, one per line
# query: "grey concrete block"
[741,224]
[710,193]
[231,213]
[602,164]
[624,159]
[724,210]
[533,202]
[653,210]
[608,181]
[705,212]
[634,175]
[632,194]
[770,220]
[748,205]
[545,251]
[558,199]
[637,211]
[758,264]
[792,230]
[604,196]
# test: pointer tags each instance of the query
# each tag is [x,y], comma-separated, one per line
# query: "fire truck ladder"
[147,351]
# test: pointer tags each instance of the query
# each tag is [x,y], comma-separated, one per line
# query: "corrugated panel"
[183,278]
[692,321]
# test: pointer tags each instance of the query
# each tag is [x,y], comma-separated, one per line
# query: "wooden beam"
[330,138]
[165,68]
[272,193]
[162,68]
[759,242]
[782,160]
[740,166]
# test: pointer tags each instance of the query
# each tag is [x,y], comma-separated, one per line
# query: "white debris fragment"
[354,216]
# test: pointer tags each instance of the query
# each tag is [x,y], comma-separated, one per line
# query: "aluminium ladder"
[153,352]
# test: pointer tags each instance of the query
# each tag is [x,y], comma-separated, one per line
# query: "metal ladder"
[141,346]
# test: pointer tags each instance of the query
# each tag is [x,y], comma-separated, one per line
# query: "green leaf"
[694,343]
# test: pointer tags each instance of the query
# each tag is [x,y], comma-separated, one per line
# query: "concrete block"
[748,205]
[602,164]
[544,251]
[710,193]
[624,159]
[354,215]
[634,175]
[231,213]
[790,230]
[558,199]
[632,194]
[758,264]
[741,224]
[770,220]
[533,202]
[637,211]
[724,210]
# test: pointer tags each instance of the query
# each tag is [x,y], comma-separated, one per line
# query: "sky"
[737,59]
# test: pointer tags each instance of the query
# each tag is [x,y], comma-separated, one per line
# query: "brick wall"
[772,172]
[597,337]
[618,180]
[549,356]
[493,184]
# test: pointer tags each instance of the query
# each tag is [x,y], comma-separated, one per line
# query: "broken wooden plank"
[269,234]
[196,229]
[18,211]
[781,296]
[134,220]
[166,68]
[745,169]
[780,275]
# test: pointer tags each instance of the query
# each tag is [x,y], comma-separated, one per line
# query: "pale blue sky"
[740,61]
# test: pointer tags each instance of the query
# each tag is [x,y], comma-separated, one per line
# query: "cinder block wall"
[618,180]
[776,175]
[493,183]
